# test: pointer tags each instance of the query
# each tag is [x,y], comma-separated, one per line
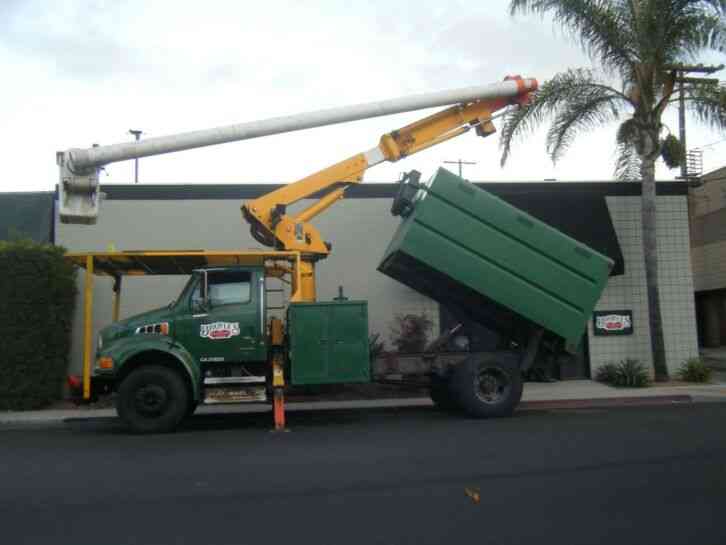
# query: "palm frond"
[638,39]
[627,160]
[518,122]
[603,28]
[689,28]
[575,99]
[708,104]
[590,109]
[680,6]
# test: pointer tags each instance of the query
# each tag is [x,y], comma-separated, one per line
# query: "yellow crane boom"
[271,224]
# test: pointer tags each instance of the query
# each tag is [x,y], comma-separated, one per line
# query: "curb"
[32,419]
[605,402]
[40,420]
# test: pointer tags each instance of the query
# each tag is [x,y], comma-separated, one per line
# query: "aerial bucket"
[78,192]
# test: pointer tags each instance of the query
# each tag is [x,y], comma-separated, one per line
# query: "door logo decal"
[219,330]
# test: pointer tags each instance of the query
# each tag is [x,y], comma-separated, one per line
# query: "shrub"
[632,373]
[409,332]
[607,373]
[37,299]
[694,370]
[628,372]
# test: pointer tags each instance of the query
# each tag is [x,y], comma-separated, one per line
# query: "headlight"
[99,344]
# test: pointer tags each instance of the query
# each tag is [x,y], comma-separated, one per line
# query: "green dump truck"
[217,342]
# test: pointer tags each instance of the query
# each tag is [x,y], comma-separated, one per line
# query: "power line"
[711,144]
[460,163]
[680,72]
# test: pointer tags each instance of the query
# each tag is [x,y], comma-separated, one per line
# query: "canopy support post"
[87,328]
[116,297]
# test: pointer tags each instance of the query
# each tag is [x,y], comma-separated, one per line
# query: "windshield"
[184,294]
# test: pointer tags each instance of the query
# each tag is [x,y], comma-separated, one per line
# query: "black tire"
[191,408]
[152,399]
[440,394]
[488,385]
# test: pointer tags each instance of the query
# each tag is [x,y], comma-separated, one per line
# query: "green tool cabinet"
[328,342]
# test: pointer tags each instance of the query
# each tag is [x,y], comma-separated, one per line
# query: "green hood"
[127,327]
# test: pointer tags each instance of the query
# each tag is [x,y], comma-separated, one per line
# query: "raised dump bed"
[473,252]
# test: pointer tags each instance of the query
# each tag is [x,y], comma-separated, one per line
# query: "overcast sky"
[79,72]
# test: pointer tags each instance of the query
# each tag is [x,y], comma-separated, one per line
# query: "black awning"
[581,215]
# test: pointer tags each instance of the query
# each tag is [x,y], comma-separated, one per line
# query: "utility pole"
[460,162]
[682,79]
[137,134]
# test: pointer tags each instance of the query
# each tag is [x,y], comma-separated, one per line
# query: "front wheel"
[487,386]
[152,399]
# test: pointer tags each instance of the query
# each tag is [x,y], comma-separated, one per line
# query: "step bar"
[249,379]
[234,394]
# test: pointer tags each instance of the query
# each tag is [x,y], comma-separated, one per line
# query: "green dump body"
[471,251]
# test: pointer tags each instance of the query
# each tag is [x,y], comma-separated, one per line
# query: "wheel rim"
[492,385]
[151,400]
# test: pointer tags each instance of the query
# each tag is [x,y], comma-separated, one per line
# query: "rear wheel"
[152,399]
[487,386]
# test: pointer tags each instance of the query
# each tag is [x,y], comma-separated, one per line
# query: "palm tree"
[637,44]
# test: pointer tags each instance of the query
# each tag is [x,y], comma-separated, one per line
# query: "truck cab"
[221,316]
[209,345]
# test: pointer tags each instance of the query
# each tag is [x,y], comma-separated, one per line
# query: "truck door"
[230,328]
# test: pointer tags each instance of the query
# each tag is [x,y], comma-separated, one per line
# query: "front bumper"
[99,386]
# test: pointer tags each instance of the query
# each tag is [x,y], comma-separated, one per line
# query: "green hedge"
[37,298]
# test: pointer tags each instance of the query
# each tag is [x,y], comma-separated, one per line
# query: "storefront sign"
[613,322]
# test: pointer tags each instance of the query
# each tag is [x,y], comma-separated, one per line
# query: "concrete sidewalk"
[571,394]
[588,389]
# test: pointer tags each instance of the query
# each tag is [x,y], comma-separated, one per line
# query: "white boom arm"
[79,168]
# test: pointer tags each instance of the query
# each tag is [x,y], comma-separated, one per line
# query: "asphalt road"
[630,475]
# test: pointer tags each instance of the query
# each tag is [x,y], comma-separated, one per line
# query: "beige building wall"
[628,291]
